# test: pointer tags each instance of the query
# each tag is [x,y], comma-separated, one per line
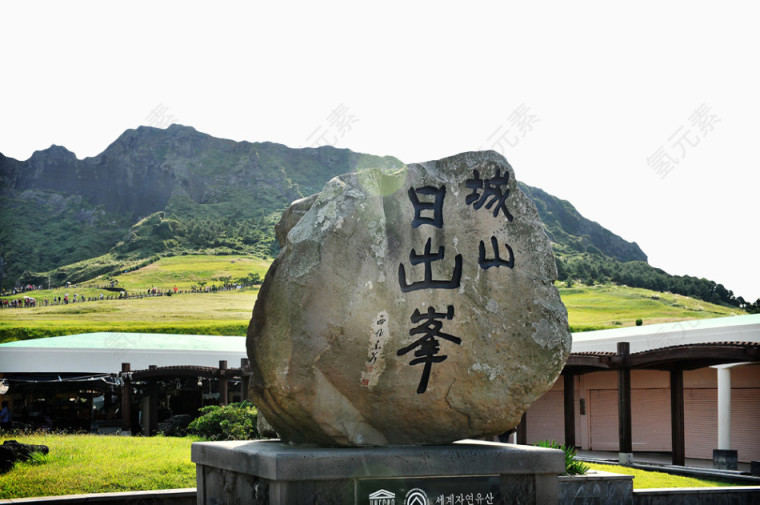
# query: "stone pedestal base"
[725,459]
[597,487]
[625,458]
[467,472]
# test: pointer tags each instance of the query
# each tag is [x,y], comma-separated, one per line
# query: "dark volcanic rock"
[12,451]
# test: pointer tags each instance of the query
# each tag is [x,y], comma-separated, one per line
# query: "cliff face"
[212,194]
[88,205]
[567,228]
[144,168]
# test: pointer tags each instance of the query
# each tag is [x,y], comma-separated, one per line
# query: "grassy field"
[186,271]
[101,464]
[228,312]
[215,313]
[183,272]
[221,313]
[643,479]
[611,306]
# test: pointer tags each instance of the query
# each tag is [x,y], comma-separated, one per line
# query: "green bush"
[639,322]
[572,465]
[236,421]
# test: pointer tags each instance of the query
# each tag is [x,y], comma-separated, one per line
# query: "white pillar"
[724,408]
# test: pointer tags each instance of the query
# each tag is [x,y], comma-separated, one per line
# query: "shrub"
[639,322]
[572,465]
[236,421]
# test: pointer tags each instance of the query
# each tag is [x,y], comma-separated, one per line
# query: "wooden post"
[677,417]
[90,404]
[569,409]
[126,398]
[522,430]
[107,401]
[223,382]
[245,378]
[152,405]
[625,450]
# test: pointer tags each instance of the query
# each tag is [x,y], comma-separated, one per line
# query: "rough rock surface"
[12,451]
[408,307]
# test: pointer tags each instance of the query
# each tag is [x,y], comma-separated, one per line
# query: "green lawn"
[102,464]
[643,479]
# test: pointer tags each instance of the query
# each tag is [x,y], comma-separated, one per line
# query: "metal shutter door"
[650,423]
[650,413]
[701,422]
[745,423]
[602,409]
[546,418]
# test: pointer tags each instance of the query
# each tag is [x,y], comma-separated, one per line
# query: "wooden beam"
[171,372]
[624,402]
[677,417]
[569,409]
[589,362]
[245,378]
[126,399]
[223,399]
[692,356]
[153,408]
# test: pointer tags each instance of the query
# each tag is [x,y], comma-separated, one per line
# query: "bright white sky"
[644,115]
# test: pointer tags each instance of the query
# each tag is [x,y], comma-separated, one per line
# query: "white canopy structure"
[91,353]
[658,336]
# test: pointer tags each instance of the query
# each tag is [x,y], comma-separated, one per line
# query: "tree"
[754,308]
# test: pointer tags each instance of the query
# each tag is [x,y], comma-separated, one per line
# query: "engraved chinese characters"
[489,192]
[409,307]
[428,343]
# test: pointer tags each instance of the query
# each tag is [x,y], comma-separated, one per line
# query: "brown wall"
[650,399]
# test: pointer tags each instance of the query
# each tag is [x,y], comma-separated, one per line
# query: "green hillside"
[611,306]
[227,312]
[191,270]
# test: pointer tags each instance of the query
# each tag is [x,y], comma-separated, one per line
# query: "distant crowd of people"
[20,289]
[30,287]
[29,301]
[17,303]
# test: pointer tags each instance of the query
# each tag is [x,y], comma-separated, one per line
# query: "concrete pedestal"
[467,472]
[725,459]
[597,487]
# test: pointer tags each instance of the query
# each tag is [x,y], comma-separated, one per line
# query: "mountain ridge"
[177,190]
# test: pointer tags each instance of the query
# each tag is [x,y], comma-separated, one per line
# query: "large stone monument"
[413,307]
